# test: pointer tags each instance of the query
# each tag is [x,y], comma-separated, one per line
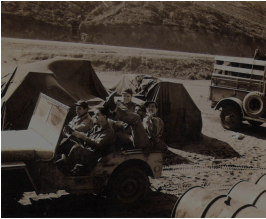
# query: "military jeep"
[28,161]
[238,87]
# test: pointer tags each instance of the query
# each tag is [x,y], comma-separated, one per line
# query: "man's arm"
[99,142]
[103,139]
[85,126]
[154,126]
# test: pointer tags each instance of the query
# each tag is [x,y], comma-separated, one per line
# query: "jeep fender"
[16,177]
[232,101]
[133,163]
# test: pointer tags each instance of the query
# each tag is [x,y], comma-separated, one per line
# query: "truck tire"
[254,104]
[254,123]
[128,186]
[231,117]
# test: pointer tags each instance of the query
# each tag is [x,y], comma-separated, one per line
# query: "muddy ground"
[216,162]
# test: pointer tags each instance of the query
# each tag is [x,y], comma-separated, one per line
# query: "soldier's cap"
[127,90]
[147,103]
[142,106]
[82,103]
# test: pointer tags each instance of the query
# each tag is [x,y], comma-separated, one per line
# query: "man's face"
[139,111]
[99,118]
[151,108]
[126,97]
[80,111]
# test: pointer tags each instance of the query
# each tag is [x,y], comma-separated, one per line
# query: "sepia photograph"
[133,109]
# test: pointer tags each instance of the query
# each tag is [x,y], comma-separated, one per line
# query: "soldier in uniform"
[97,143]
[141,110]
[127,95]
[154,125]
[82,123]
[145,135]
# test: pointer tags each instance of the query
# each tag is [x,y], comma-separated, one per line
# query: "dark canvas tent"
[181,116]
[64,79]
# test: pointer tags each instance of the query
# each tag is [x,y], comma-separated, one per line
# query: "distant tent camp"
[64,79]
[182,118]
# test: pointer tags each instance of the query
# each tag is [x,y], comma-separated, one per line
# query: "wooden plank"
[239,70]
[229,76]
[229,88]
[241,60]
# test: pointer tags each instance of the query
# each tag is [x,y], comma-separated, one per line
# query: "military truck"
[28,161]
[238,88]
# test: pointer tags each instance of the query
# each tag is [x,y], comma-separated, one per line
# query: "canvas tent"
[181,117]
[64,79]
[143,82]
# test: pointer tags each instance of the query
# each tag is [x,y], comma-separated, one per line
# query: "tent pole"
[3,112]
[8,83]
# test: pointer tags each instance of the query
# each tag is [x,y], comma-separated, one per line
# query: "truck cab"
[238,88]
[31,154]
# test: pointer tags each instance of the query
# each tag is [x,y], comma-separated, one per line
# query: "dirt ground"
[216,162]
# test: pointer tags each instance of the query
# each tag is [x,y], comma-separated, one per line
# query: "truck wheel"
[254,123]
[254,104]
[129,185]
[231,117]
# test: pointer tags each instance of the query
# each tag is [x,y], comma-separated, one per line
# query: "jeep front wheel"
[129,185]
[231,117]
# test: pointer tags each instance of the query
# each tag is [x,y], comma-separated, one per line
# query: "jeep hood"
[24,145]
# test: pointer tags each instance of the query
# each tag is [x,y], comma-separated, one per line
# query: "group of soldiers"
[123,123]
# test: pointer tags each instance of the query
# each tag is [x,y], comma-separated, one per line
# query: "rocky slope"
[224,28]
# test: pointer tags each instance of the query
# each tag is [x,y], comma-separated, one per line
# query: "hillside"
[224,28]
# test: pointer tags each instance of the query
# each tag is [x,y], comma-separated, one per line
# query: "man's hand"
[80,135]
[69,130]
[150,115]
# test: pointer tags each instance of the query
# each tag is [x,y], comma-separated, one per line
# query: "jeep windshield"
[48,119]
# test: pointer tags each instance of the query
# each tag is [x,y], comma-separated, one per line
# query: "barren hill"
[224,28]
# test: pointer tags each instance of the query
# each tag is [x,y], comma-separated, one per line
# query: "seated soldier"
[154,125]
[127,95]
[123,140]
[98,143]
[141,110]
[141,138]
[82,123]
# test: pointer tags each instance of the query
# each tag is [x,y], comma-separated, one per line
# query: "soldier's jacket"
[131,106]
[154,128]
[100,140]
[82,124]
